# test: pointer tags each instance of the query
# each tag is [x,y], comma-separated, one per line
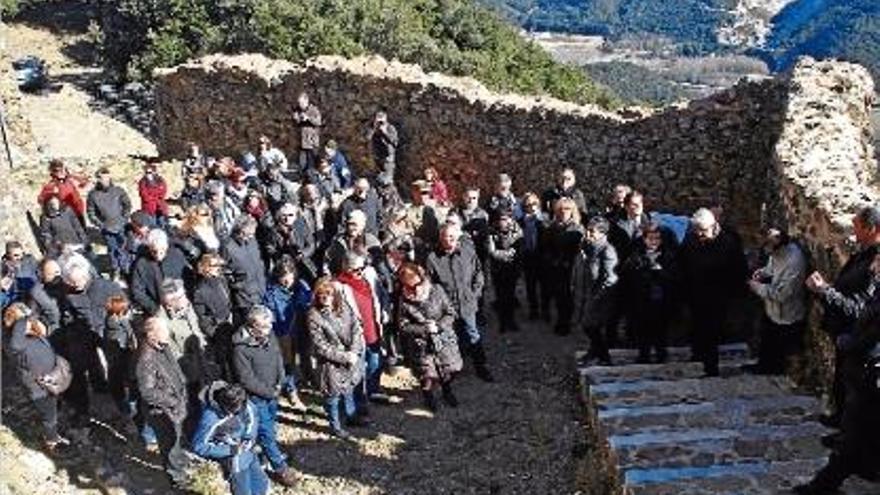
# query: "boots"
[479,357]
[448,397]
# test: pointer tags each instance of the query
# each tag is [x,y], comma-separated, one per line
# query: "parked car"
[30,73]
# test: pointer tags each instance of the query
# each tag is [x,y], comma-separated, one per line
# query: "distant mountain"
[778,31]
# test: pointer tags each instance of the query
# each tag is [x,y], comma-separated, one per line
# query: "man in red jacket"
[66,187]
[153,191]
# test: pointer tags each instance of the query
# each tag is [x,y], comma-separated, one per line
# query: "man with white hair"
[362,198]
[354,237]
[291,236]
[156,262]
[458,271]
[223,209]
[307,117]
[162,387]
[83,315]
[187,339]
[713,268]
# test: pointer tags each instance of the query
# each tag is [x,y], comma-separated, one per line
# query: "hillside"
[777,31]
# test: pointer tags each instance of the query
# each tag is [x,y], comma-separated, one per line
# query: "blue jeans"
[331,407]
[267,438]
[115,242]
[373,357]
[467,331]
[249,478]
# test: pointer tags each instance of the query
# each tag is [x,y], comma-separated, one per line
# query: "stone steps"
[675,432]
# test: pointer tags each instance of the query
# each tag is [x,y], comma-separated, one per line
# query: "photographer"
[308,118]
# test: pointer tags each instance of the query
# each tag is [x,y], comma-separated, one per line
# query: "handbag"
[58,380]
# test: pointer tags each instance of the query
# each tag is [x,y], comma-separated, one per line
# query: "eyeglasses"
[16,256]
[288,215]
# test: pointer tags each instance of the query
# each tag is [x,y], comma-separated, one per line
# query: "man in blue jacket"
[227,433]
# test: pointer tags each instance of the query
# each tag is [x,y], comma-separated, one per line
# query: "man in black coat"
[363,198]
[245,270]
[565,188]
[108,207]
[60,227]
[456,268]
[260,369]
[157,261]
[162,388]
[713,269]
[853,287]
[625,235]
[384,142]
[83,316]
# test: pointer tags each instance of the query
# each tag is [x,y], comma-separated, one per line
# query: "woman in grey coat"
[426,317]
[338,347]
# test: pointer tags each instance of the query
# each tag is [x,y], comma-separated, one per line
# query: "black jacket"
[108,208]
[258,364]
[460,275]
[33,356]
[245,272]
[476,224]
[624,234]
[212,304]
[853,288]
[87,310]
[551,196]
[147,275]
[61,227]
[712,271]
[561,245]
[161,383]
[45,302]
[368,205]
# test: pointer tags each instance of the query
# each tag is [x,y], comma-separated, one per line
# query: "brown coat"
[333,335]
[436,355]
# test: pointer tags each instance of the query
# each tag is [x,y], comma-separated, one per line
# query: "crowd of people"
[263,277]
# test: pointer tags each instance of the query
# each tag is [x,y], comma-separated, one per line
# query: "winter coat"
[625,233]
[278,191]
[161,383]
[551,196]
[258,363]
[460,275]
[342,170]
[288,307]
[223,437]
[341,245]
[437,355]
[424,224]
[368,205]
[153,193]
[212,305]
[378,296]
[384,144]
[187,344]
[67,191]
[59,228]
[245,272]
[87,310]
[476,224]
[533,228]
[45,301]
[119,331]
[649,279]
[328,185]
[191,196]
[309,123]
[847,298]
[594,282]
[296,241]
[505,251]
[33,357]
[197,242]
[500,202]
[713,271]
[561,246]
[24,277]
[333,335]
[147,276]
[108,208]
[224,218]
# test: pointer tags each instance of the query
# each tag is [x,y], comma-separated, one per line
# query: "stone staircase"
[672,431]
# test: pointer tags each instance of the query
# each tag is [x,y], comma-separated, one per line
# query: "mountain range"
[777,31]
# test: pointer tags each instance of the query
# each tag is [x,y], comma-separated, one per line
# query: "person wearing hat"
[505,259]
[108,207]
[153,192]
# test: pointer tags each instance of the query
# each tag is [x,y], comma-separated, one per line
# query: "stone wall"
[718,149]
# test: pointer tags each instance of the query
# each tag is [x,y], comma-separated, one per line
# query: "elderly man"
[713,268]
[260,368]
[244,267]
[363,198]
[187,339]
[846,300]
[353,238]
[83,316]
[162,387]
[108,207]
[46,295]
[293,237]
[155,263]
[780,284]
[223,209]
[458,271]
[307,117]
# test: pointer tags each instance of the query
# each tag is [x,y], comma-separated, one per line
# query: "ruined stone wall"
[718,149]
[825,171]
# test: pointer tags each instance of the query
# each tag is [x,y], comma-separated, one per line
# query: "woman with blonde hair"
[338,347]
[196,235]
[561,245]
[426,318]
